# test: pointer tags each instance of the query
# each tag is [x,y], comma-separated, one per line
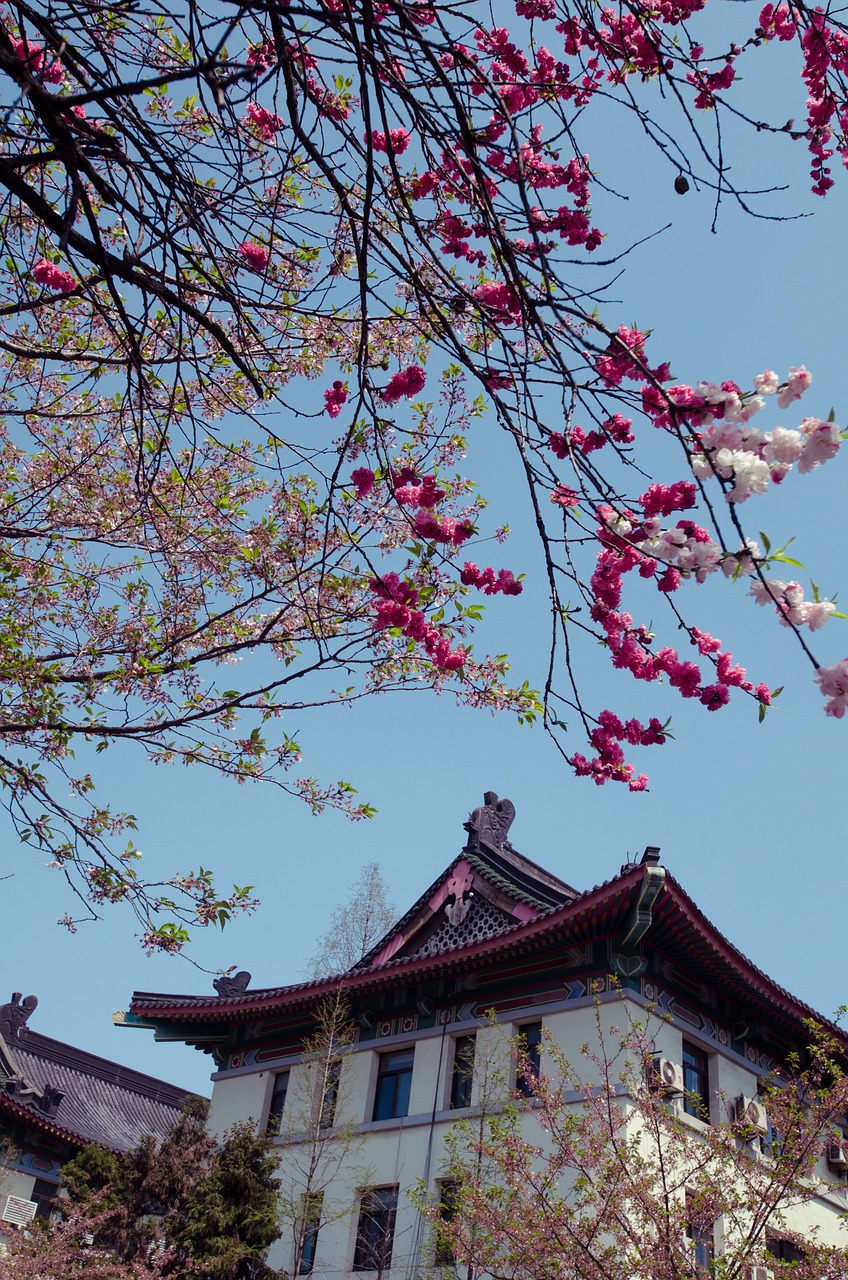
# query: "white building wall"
[404,1152]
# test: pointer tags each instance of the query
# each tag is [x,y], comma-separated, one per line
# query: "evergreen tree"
[213,1208]
[139,1193]
[231,1215]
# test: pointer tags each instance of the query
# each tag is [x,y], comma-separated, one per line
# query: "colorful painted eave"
[678,928]
[612,897]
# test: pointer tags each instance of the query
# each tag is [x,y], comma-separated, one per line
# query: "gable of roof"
[483,892]
[76,1095]
[490,907]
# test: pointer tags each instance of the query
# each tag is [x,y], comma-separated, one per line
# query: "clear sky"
[749,817]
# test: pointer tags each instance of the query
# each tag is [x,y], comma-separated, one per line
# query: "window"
[278,1102]
[771,1142]
[530,1040]
[43,1193]
[700,1237]
[701,1240]
[375,1233]
[330,1085]
[444,1256]
[394,1081]
[696,1081]
[463,1071]
[784,1250]
[310,1225]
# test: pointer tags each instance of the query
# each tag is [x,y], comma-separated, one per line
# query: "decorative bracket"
[627,962]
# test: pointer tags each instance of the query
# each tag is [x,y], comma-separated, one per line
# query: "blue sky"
[749,817]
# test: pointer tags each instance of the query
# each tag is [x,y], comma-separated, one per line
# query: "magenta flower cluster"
[54,277]
[334,397]
[404,384]
[489,582]
[396,607]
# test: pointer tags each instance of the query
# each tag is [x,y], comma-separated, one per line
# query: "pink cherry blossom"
[798,382]
[334,397]
[256,255]
[34,57]
[396,141]
[833,684]
[363,481]
[404,384]
[48,273]
[264,123]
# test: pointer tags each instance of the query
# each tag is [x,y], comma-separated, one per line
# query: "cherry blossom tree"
[599,1175]
[264,268]
[64,1250]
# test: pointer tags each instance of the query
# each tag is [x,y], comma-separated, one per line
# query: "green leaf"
[780,558]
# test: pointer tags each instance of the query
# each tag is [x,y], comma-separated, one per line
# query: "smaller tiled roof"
[101,1102]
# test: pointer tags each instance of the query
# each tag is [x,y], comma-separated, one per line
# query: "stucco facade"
[496,947]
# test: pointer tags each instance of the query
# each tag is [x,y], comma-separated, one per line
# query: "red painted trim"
[75,1139]
[388,950]
[591,913]
[517,939]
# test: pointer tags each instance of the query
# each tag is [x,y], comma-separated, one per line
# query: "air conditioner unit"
[18,1210]
[837,1154]
[666,1076]
[750,1115]
[761,1273]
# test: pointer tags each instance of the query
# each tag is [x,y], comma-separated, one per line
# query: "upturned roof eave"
[275,998]
[795,1009]
[516,939]
[8,1103]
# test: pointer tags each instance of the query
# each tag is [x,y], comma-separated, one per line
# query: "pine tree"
[231,1214]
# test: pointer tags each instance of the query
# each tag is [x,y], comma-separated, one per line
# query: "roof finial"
[490,822]
[229,986]
[14,1014]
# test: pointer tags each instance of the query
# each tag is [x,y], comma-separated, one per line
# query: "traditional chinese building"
[494,932]
[56,1099]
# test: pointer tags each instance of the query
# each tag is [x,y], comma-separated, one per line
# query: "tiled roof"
[103,1102]
[679,930]
[605,906]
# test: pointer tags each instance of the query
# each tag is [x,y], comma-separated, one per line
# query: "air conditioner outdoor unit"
[837,1154]
[18,1210]
[750,1115]
[761,1273]
[666,1076]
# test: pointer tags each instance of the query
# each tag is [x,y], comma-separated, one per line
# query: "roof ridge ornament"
[229,986]
[490,822]
[14,1015]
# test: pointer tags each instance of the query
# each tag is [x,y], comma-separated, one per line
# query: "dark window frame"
[702,1239]
[696,1081]
[277,1105]
[448,1189]
[330,1095]
[44,1193]
[311,1226]
[462,1074]
[375,1231]
[394,1084]
[784,1250]
[530,1035]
